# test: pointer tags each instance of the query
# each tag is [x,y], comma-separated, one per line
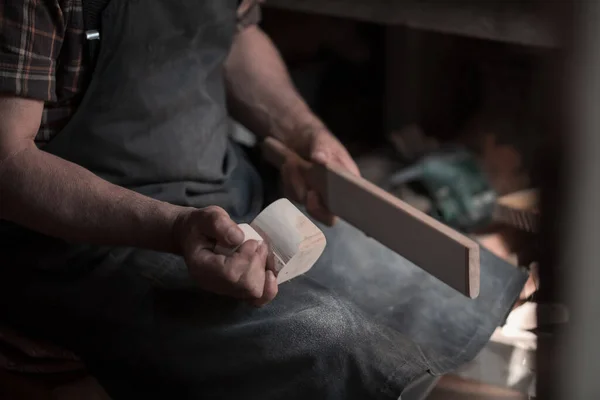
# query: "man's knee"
[329,330]
[365,358]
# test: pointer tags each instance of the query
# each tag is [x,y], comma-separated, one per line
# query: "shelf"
[511,21]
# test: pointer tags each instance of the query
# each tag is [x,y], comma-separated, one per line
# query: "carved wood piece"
[295,241]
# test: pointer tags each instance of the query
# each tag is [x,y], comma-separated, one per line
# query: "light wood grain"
[249,234]
[444,253]
[528,200]
[296,243]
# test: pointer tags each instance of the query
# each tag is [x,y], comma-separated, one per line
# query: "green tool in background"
[461,194]
[458,190]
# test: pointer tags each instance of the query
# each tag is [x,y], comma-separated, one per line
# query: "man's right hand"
[57,198]
[243,275]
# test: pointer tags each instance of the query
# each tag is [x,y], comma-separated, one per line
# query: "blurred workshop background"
[458,107]
[440,102]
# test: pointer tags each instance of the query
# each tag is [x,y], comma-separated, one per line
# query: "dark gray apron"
[154,118]
[364,322]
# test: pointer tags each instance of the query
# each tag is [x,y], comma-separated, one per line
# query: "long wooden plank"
[439,250]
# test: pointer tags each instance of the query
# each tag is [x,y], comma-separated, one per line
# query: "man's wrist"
[159,227]
[178,220]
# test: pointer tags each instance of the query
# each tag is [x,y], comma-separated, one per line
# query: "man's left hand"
[320,147]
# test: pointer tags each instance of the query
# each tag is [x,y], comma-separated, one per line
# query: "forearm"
[61,199]
[261,94]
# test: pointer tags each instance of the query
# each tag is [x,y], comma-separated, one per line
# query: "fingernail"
[262,249]
[271,275]
[253,246]
[234,235]
[320,157]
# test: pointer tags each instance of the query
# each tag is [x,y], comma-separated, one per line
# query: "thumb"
[320,157]
[216,224]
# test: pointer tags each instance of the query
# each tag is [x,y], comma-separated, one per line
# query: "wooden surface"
[444,253]
[249,234]
[506,21]
[452,387]
[431,245]
[523,200]
[519,209]
[296,243]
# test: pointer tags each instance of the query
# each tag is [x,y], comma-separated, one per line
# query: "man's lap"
[449,327]
[140,324]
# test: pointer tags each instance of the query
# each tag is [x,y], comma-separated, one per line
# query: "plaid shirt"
[41,55]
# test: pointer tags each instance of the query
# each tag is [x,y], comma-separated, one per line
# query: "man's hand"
[243,275]
[319,147]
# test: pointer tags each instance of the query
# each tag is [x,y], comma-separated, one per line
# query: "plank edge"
[471,266]
[473,271]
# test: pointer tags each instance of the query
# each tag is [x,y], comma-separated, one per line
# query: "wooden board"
[439,250]
[296,241]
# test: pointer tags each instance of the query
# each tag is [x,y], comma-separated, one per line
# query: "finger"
[294,184]
[333,153]
[248,249]
[217,225]
[316,208]
[236,265]
[342,159]
[270,290]
[348,164]
[252,282]
[320,157]
[204,266]
[207,259]
[271,261]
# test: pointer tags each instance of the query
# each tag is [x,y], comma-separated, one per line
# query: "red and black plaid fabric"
[41,55]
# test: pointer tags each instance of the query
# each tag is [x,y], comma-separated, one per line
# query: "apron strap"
[92,17]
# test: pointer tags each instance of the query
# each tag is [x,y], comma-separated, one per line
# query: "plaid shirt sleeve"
[31,36]
[32,33]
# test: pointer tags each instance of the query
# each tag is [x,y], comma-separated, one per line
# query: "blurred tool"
[460,193]
[519,210]
[458,190]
